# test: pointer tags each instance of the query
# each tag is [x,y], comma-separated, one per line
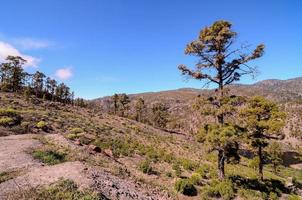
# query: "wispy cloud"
[64,73]
[7,49]
[32,44]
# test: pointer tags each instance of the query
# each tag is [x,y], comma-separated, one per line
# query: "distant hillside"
[290,89]
[185,119]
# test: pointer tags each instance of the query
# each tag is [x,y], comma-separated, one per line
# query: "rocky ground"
[31,173]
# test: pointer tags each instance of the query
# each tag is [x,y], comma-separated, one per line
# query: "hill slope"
[118,158]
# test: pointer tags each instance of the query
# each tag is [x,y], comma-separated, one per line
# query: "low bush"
[145,166]
[188,164]
[196,179]
[297,183]
[201,135]
[49,157]
[42,125]
[248,194]
[222,189]
[75,133]
[273,196]
[169,174]
[203,170]
[9,117]
[9,112]
[6,121]
[177,169]
[185,187]
[293,197]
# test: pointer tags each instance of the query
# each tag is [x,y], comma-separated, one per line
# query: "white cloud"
[32,44]
[64,73]
[7,49]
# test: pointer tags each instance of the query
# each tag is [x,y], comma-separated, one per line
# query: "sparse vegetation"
[145,166]
[62,189]
[5,176]
[49,157]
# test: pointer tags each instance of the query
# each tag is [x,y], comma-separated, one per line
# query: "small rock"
[108,152]
[77,142]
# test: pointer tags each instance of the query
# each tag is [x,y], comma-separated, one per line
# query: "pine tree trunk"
[221,156]
[260,163]
[221,159]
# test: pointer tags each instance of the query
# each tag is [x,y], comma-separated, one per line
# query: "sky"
[101,47]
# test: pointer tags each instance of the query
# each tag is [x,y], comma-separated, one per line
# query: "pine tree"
[140,109]
[264,122]
[123,102]
[219,64]
[38,83]
[12,74]
[160,115]
[274,151]
[115,99]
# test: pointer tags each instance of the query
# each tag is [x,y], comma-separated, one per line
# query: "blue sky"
[103,47]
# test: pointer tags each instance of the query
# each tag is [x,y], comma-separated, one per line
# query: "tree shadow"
[266,186]
[291,158]
[246,153]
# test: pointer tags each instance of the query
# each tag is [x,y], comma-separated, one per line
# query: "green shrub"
[297,183]
[26,126]
[248,194]
[72,136]
[201,135]
[223,189]
[195,179]
[185,187]
[169,174]
[50,157]
[9,112]
[273,196]
[6,121]
[188,164]
[293,197]
[152,154]
[178,171]
[254,163]
[42,125]
[76,131]
[9,117]
[145,166]
[203,170]
[120,147]
[168,157]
